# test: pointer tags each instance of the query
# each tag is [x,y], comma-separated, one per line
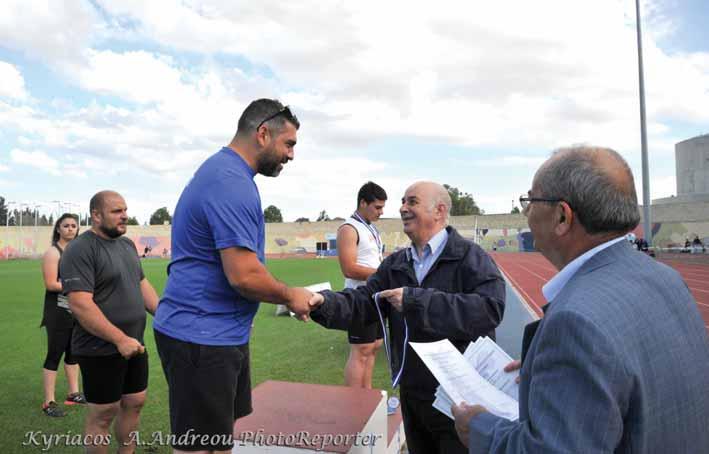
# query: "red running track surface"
[529,271]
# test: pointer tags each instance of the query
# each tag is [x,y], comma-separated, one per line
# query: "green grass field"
[281,349]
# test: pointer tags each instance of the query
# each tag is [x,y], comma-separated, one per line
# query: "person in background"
[58,321]
[109,296]
[359,250]
[697,245]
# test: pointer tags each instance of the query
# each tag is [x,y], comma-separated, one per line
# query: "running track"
[529,271]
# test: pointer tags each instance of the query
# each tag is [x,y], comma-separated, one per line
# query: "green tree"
[160,216]
[3,211]
[515,210]
[24,217]
[302,220]
[323,216]
[463,203]
[132,221]
[272,214]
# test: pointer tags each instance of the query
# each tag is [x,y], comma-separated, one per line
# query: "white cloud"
[660,186]
[309,185]
[460,73]
[532,162]
[7,184]
[37,159]
[462,78]
[496,204]
[4,168]
[12,84]
[52,31]
[137,76]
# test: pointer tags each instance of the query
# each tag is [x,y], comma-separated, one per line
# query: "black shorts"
[364,334]
[209,388]
[107,378]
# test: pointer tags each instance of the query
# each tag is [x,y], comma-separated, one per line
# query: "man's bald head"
[598,185]
[108,214]
[98,201]
[433,194]
[424,211]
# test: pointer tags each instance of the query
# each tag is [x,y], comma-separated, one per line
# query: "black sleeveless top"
[56,306]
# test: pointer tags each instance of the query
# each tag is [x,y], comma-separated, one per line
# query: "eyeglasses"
[525,200]
[286,112]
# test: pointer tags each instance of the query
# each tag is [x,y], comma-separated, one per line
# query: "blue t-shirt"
[219,208]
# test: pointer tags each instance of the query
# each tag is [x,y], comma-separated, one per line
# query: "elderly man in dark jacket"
[441,287]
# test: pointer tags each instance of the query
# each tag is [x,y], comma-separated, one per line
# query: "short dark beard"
[268,164]
[111,233]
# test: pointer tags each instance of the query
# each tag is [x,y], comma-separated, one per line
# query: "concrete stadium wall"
[672,223]
[679,212]
[32,242]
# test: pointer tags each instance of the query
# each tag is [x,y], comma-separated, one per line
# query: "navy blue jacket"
[461,298]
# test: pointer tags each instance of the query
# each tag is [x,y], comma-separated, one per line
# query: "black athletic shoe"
[75,398]
[53,410]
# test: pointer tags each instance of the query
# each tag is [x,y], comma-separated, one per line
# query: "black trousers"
[428,431]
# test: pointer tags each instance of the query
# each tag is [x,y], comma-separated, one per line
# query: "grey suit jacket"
[619,364]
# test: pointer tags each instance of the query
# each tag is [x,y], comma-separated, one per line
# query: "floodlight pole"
[647,226]
[7,230]
[7,218]
[59,208]
[36,213]
[19,237]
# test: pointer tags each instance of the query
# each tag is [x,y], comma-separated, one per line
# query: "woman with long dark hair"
[58,320]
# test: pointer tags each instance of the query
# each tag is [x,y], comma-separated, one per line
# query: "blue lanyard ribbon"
[395,376]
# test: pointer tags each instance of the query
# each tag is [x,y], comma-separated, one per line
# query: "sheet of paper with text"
[461,382]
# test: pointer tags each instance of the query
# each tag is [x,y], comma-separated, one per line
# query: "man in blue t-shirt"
[217,277]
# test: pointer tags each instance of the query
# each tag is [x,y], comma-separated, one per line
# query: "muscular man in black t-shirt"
[109,294]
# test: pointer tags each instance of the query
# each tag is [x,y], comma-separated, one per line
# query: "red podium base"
[297,418]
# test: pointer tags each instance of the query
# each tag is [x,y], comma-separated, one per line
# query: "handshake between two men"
[246,273]
[301,300]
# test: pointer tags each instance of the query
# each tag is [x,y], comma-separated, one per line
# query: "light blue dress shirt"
[429,254]
[557,283]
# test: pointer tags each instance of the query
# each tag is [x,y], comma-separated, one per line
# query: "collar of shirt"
[554,286]
[433,247]
[429,254]
[241,160]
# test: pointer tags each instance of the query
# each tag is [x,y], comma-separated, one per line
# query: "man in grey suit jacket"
[620,361]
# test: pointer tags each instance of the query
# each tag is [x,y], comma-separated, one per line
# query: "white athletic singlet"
[369,247]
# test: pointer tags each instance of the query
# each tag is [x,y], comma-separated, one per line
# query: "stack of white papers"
[475,377]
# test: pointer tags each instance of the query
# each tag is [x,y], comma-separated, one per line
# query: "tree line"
[463,204]
[30,217]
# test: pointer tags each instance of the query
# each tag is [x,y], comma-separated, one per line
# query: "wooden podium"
[299,418]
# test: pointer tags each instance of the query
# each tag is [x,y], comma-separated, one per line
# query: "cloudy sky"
[133,95]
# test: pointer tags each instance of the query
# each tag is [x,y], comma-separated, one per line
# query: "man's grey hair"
[441,196]
[602,201]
